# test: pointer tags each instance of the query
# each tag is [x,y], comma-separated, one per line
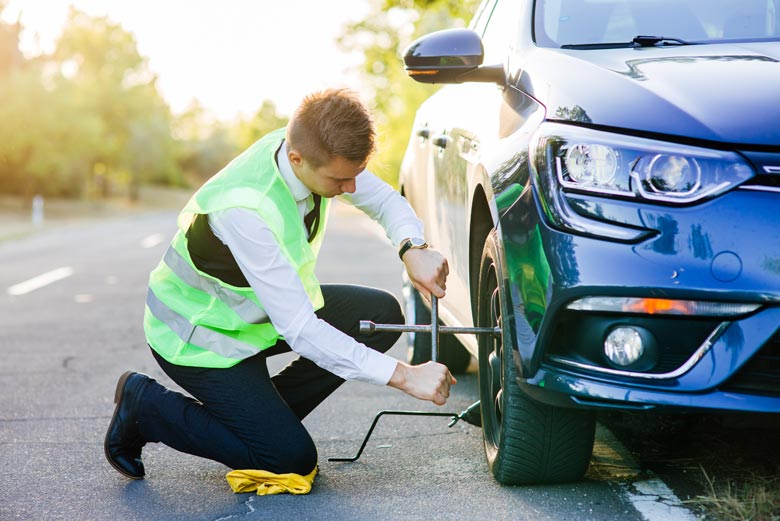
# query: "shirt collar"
[297,188]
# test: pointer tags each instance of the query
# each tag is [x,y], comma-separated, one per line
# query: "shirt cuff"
[404,232]
[379,367]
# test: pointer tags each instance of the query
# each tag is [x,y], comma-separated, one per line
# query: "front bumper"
[716,382]
[548,268]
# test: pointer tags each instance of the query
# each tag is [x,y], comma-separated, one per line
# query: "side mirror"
[450,56]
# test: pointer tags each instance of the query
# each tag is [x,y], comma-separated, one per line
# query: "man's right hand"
[429,381]
[427,270]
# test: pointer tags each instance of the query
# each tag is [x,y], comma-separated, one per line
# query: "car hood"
[717,92]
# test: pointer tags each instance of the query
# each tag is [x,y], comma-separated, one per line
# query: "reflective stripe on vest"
[242,306]
[198,335]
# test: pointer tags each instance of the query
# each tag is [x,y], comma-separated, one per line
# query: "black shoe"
[123,442]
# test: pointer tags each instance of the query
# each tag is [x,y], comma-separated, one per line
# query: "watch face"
[416,242]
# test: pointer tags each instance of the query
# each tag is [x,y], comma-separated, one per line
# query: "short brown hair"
[332,123]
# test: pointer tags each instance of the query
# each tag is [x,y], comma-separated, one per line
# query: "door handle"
[441,140]
[424,132]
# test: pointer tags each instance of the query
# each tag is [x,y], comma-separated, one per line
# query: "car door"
[468,121]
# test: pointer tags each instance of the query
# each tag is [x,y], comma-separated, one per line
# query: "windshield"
[581,22]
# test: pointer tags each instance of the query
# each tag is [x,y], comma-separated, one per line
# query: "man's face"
[329,180]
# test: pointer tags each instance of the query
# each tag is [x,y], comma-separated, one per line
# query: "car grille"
[761,374]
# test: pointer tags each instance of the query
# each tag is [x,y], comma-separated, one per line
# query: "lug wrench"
[367,326]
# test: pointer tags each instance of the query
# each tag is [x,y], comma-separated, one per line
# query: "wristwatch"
[411,243]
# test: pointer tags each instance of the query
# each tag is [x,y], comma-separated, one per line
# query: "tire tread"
[538,443]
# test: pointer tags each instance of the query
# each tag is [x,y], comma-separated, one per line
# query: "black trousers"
[245,419]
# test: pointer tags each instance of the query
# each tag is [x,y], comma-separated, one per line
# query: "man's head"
[329,140]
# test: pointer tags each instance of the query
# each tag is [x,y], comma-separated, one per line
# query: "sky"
[230,55]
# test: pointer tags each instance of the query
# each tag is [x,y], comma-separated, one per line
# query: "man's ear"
[295,157]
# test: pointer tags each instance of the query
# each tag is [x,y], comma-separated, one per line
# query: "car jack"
[471,414]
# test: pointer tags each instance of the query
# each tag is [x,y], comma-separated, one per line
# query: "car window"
[501,28]
[578,22]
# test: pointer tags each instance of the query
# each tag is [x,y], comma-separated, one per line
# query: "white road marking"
[652,498]
[152,241]
[655,501]
[40,281]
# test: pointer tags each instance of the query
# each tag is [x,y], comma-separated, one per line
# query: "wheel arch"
[481,222]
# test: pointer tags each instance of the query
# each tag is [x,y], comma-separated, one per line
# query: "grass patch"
[726,466]
[756,498]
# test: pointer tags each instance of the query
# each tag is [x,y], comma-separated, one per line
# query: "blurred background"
[107,101]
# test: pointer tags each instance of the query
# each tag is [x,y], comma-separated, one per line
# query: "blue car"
[603,176]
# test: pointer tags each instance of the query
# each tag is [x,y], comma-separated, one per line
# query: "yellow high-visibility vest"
[195,319]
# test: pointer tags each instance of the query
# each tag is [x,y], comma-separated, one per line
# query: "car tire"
[451,352]
[526,442]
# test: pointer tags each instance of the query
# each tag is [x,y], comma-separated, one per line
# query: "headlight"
[593,165]
[582,159]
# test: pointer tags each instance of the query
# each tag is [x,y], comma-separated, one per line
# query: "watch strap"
[408,244]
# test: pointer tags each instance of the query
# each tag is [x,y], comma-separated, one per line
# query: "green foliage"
[388,29]
[457,9]
[84,119]
[205,144]
[264,121]
[104,64]
[46,142]
[89,119]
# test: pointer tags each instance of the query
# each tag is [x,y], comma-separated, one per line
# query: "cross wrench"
[367,326]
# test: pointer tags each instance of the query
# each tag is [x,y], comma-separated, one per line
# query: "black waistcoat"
[210,255]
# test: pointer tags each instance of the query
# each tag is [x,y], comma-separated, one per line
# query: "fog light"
[624,346]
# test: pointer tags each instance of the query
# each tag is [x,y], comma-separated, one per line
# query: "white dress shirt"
[280,290]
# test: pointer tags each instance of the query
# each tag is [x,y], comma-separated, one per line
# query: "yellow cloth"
[267,483]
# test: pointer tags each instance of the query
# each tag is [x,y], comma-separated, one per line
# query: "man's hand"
[427,270]
[429,381]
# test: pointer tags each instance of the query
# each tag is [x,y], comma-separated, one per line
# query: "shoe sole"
[120,387]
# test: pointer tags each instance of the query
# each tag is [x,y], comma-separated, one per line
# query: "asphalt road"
[63,346]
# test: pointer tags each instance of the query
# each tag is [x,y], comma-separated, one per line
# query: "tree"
[205,143]
[116,85]
[46,142]
[208,144]
[10,56]
[388,29]
[85,115]
[264,121]
[461,10]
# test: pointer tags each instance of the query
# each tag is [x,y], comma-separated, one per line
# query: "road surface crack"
[247,504]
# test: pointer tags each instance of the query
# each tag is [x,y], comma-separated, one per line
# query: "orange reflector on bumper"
[660,306]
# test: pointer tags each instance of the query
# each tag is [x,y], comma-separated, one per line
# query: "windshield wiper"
[650,41]
[638,41]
